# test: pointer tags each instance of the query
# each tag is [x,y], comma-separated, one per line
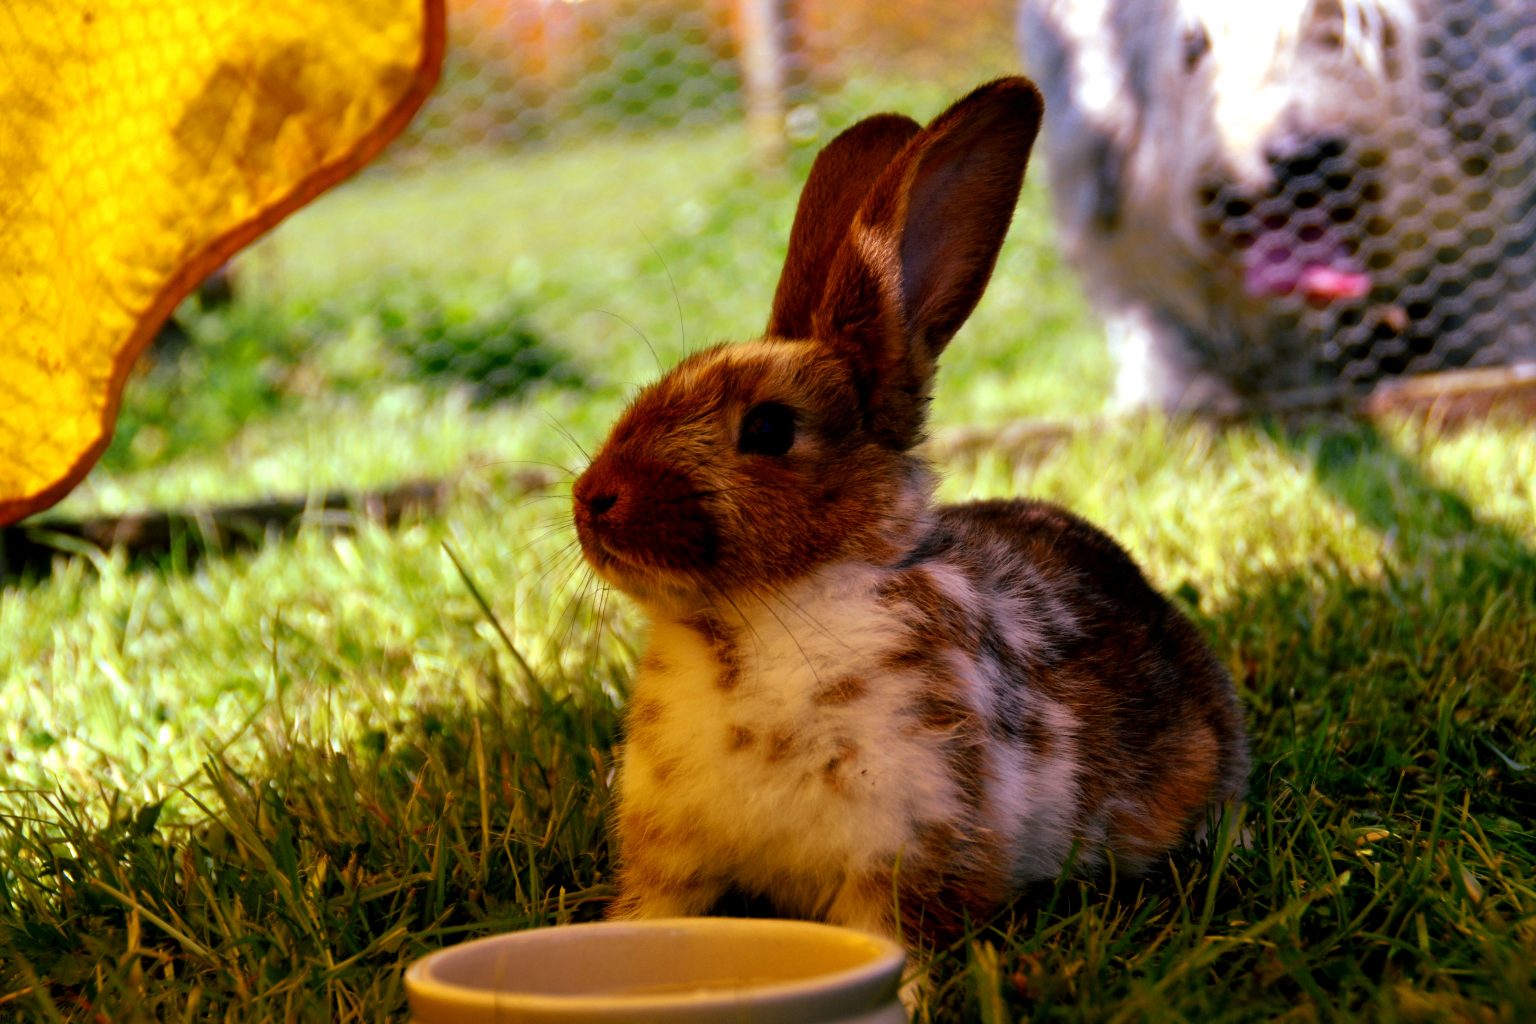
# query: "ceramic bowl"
[700,970]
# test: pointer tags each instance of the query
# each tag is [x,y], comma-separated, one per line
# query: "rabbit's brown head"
[750,465]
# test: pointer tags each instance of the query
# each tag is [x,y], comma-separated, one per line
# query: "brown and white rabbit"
[854,704]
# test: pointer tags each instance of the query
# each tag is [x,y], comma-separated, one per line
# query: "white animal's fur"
[794,839]
[1154,105]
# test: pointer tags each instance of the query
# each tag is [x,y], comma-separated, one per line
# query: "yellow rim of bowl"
[887,957]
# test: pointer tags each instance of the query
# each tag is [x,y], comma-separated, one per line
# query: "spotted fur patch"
[644,711]
[843,690]
[641,723]
[941,712]
[1036,735]
[780,743]
[944,622]
[936,840]
[721,641]
[835,773]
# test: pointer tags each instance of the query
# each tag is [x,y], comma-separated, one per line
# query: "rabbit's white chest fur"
[786,746]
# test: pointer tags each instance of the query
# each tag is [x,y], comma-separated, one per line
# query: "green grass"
[255,787]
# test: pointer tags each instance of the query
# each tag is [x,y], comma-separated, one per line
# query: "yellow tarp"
[141,144]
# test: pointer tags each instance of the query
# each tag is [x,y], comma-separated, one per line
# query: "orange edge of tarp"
[217,252]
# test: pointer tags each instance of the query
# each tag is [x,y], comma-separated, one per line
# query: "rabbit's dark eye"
[767,429]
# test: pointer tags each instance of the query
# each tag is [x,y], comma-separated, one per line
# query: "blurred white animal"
[1263,197]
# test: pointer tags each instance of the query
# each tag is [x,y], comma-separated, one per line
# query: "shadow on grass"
[307,889]
[1385,863]
[1394,720]
[1451,615]
[178,540]
[1447,634]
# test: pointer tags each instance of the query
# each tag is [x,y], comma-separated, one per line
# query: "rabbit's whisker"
[785,601]
[566,472]
[638,333]
[560,429]
[682,333]
[795,639]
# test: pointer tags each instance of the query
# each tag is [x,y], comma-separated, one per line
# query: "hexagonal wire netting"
[1424,234]
[1295,197]
[1401,244]
[526,72]
[608,175]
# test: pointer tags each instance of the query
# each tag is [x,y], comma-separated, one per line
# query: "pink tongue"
[1320,282]
[1312,280]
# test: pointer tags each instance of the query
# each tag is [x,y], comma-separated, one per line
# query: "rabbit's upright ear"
[921,248]
[841,177]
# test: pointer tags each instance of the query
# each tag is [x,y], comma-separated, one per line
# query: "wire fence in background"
[529,72]
[1445,235]
[1441,219]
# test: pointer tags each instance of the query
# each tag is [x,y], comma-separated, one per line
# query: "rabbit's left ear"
[841,177]
[920,251]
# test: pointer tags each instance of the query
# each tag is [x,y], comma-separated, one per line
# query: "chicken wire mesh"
[524,72]
[1404,248]
[571,127]
[593,179]
[1292,202]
